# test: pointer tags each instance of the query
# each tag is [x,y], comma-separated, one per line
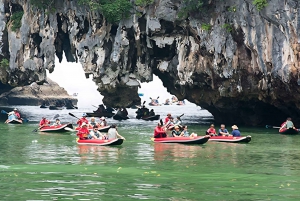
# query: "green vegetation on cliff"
[16,20]
[260,4]
[4,63]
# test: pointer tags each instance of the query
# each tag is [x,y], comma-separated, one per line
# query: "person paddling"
[103,122]
[160,131]
[167,119]
[83,132]
[287,124]
[44,122]
[82,120]
[16,113]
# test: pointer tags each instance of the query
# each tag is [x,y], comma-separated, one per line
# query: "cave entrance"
[72,77]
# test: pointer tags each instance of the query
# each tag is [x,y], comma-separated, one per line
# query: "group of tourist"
[85,133]
[223,131]
[144,112]
[179,130]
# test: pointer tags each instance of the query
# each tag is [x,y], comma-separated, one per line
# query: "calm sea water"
[41,166]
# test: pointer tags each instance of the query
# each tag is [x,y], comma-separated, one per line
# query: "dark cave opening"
[164,53]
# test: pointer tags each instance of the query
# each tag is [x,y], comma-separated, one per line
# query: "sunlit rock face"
[243,67]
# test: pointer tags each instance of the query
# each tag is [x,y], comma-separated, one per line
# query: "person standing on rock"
[83,120]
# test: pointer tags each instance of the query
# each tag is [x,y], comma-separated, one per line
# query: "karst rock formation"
[238,62]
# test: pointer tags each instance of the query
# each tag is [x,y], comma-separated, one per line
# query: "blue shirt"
[224,131]
[236,133]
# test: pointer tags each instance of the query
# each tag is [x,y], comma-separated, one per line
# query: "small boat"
[289,131]
[71,107]
[231,139]
[100,114]
[119,117]
[13,120]
[43,106]
[182,140]
[154,104]
[100,128]
[52,107]
[151,118]
[100,142]
[59,128]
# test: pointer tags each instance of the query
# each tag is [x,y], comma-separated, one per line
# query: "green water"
[39,166]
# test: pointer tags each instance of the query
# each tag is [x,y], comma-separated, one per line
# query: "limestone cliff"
[239,63]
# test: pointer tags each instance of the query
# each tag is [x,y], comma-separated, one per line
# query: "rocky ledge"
[49,93]
[239,62]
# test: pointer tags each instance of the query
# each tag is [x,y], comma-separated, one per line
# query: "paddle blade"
[73,115]
[3,112]
[181,115]
[35,130]
[56,116]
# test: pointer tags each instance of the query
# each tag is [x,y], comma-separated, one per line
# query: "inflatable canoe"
[182,140]
[100,142]
[289,131]
[151,118]
[100,128]
[59,128]
[14,121]
[245,139]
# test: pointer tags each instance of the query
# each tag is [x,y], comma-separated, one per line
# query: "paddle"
[270,126]
[23,119]
[35,130]
[73,115]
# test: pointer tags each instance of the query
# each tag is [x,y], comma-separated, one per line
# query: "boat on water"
[59,128]
[231,139]
[43,106]
[182,140]
[52,107]
[119,117]
[100,114]
[100,142]
[151,118]
[13,120]
[100,128]
[154,104]
[289,131]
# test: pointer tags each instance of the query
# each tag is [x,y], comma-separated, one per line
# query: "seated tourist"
[223,131]
[211,131]
[185,133]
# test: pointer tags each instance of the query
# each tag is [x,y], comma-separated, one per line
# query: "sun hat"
[212,125]
[83,124]
[234,127]
[15,109]
[176,127]
[102,118]
[84,114]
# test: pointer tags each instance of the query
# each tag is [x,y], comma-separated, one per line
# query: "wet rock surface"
[244,68]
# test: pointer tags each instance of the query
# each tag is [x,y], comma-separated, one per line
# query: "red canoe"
[289,131]
[60,128]
[245,139]
[100,142]
[182,140]
[100,128]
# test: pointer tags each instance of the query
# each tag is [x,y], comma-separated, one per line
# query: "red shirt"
[80,121]
[159,132]
[83,133]
[167,119]
[211,131]
[44,122]
[17,114]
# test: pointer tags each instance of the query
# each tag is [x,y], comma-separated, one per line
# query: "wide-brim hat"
[15,109]
[84,114]
[234,127]
[102,118]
